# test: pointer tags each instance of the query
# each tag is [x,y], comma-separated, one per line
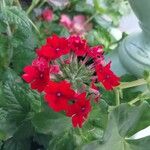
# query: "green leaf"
[50,122]
[122,121]
[64,141]
[14,15]
[15,101]
[42,139]
[10,75]
[13,144]
[99,115]
[20,104]
[25,130]
[5,128]
[3,27]
[9,2]
[4,52]
[22,57]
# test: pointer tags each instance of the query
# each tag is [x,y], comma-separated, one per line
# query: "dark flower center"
[71,102]
[82,109]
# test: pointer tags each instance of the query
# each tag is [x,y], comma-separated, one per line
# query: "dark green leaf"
[12,144]
[122,121]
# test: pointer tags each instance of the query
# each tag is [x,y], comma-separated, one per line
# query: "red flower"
[96,52]
[37,74]
[78,45]
[107,77]
[54,48]
[44,74]
[40,63]
[47,14]
[79,110]
[58,94]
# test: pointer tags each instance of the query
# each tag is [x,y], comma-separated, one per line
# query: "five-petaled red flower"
[58,94]
[79,110]
[54,48]
[107,77]
[37,74]
[78,45]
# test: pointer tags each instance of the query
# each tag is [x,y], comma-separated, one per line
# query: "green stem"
[82,135]
[117,97]
[140,97]
[89,19]
[35,27]
[34,3]
[134,101]
[42,3]
[126,85]
[18,3]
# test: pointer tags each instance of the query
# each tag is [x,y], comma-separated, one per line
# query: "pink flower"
[47,14]
[66,21]
[77,25]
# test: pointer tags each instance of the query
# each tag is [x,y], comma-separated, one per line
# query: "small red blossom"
[58,94]
[47,14]
[96,52]
[107,77]
[40,63]
[37,78]
[54,48]
[80,110]
[78,45]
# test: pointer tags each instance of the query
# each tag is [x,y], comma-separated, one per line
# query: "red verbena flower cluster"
[68,70]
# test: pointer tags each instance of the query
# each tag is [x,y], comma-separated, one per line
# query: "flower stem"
[34,3]
[89,19]
[117,97]
[18,3]
[143,96]
[135,83]
[42,3]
